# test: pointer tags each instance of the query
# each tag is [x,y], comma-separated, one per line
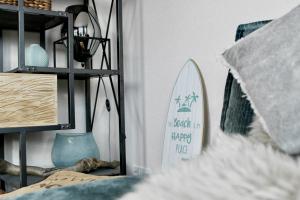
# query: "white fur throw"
[232,168]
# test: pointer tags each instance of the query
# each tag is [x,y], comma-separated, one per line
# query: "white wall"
[175,30]
[159,36]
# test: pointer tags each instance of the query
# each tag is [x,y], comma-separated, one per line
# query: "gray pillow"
[267,65]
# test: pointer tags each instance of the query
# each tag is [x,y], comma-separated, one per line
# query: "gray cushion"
[267,64]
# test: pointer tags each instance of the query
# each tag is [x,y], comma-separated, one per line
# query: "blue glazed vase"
[69,148]
[36,56]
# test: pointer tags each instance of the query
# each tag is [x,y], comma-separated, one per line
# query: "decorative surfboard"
[185,122]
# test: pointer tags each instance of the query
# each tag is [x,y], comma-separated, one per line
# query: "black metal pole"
[114,94]
[2,183]
[104,56]
[1,70]
[71,99]
[94,5]
[21,30]
[1,50]
[54,54]
[88,120]
[43,39]
[21,64]
[122,135]
[110,78]
[22,155]
[96,101]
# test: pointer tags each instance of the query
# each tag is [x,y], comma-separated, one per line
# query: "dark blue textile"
[101,190]
[237,113]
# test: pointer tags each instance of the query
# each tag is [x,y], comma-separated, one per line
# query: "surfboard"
[185,122]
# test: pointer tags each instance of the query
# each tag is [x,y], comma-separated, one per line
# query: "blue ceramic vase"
[69,148]
[36,56]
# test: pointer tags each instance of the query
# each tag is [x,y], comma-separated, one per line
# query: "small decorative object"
[36,56]
[69,148]
[37,4]
[85,165]
[87,31]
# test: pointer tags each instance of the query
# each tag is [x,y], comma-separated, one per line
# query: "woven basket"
[38,4]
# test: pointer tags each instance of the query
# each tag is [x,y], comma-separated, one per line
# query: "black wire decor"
[81,37]
[87,31]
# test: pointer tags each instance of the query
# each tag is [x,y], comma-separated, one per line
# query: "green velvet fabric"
[100,190]
[237,113]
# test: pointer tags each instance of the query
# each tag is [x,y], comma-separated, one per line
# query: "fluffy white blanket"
[232,168]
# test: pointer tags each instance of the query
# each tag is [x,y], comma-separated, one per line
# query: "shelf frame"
[62,73]
[21,63]
[47,19]
[121,100]
[21,11]
[70,74]
[65,73]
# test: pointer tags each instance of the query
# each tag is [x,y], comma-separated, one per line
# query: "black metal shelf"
[40,70]
[36,128]
[82,74]
[26,19]
[34,20]
[62,73]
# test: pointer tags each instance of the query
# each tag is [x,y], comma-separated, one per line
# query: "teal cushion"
[100,190]
[237,113]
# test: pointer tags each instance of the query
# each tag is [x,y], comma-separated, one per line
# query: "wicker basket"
[38,4]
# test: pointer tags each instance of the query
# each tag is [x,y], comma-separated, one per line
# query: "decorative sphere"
[36,56]
[69,148]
